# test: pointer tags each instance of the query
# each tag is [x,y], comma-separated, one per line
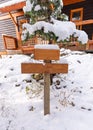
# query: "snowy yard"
[21,96]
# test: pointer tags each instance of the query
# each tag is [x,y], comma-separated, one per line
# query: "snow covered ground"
[21,96]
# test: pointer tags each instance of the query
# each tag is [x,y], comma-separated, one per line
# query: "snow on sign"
[47,53]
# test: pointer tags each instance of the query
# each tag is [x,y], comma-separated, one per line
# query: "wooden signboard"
[50,68]
[46,54]
[47,67]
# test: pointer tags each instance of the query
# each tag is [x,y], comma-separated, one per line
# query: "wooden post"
[46,93]
[47,90]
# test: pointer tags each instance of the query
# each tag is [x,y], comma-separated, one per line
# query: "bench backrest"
[10,42]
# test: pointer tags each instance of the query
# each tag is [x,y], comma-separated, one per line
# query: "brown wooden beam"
[69,2]
[13,19]
[7,16]
[84,22]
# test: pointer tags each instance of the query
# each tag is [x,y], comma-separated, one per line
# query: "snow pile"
[63,30]
[28,6]
[21,96]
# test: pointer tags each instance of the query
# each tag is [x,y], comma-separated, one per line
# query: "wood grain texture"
[44,68]
[46,54]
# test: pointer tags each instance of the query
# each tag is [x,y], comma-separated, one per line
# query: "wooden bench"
[11,46]
[10,43]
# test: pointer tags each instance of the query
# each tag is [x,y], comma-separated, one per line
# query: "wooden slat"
[14,21]
[16,14]
[46,54]
[85,22]
[41,68]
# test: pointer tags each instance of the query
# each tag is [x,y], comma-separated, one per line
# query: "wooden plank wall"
[6,27]
[88,13]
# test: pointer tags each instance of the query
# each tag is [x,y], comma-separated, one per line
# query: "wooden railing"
[79,24]
[89,45]
[84,22]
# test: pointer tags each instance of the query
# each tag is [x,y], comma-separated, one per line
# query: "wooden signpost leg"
[46,93]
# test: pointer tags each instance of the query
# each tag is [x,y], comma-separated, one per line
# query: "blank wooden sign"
[44,68]
[48,52]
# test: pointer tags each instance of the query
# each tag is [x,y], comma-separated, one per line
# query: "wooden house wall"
[87,14]
[6,26]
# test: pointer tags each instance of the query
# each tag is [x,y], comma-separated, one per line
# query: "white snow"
[63,30]
[71,102]
[37,8]
[28,6]
[11,2]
